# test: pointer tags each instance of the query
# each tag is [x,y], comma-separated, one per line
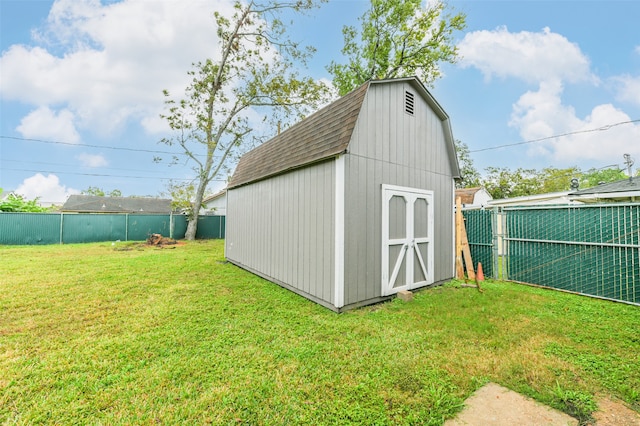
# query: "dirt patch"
[154,240]
[160,241]
[615,413]
[495,405]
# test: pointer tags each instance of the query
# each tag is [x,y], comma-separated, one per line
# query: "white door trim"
[410,243]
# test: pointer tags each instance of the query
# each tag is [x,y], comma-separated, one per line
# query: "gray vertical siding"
[283,229]
[391,147]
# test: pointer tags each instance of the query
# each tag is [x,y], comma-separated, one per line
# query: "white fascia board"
[627,194]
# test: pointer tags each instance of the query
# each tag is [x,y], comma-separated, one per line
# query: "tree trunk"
[192,228]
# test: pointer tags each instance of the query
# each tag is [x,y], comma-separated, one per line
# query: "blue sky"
[84,79]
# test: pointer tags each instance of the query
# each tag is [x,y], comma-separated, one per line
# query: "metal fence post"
[505,244]
[61,225]
[495,244]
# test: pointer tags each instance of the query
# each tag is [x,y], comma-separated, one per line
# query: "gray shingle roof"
[607,188]
[95,204]
[323,134]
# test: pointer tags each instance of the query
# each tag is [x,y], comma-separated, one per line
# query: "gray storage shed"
[352,204]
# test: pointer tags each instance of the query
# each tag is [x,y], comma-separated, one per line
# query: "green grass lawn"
[104,334]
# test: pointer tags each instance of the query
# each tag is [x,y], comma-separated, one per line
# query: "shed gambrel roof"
[323,135]
[96,204]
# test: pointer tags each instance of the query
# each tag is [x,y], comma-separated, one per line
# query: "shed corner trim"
[339,232]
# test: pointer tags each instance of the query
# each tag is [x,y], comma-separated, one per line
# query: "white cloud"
[542,114]
[47,124]
[108,64]
[48,189]
[550,61]
[628,89]
[91,160]
[153,123]
[637,49]
[531,57]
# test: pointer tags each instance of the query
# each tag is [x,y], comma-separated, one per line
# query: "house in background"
[4,195]
[550,198]
[216,204]
[626,190]
[97,204]
[473,198]
[352,204]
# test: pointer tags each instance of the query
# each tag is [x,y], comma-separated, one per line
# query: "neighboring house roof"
[466,194]
[6,194]
[95,204]
[475,197]
[549,198]
[621,190]
[322,135]
[214,196]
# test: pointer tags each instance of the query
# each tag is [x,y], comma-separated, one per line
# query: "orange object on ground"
[479,273]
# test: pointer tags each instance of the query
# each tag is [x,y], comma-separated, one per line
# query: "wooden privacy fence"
[587,249]
[67,228]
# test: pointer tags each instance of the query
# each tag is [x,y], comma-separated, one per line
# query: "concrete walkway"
[494,405]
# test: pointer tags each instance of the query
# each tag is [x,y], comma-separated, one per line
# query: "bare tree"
[254,70]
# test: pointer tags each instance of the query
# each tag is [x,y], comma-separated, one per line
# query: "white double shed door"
[407,238]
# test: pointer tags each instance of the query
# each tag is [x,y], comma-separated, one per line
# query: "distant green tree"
[501,182]
[182,196]
[557,180]
[17,203]
[594,177]
[398,38]
[470,175]
[99,192]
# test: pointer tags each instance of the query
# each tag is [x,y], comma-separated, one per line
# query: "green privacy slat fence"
[88,228]
[479,226]
[593,250]
[30,228]
[58,228]
[210,227]
[140,226]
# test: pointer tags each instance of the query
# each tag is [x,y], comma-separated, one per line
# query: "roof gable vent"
[408,102]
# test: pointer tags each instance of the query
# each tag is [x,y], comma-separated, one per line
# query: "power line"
[105,175]
[598,129]
[90,146]
[75,165]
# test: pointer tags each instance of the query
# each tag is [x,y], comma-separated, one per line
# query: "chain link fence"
[481,232]
[587,249]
